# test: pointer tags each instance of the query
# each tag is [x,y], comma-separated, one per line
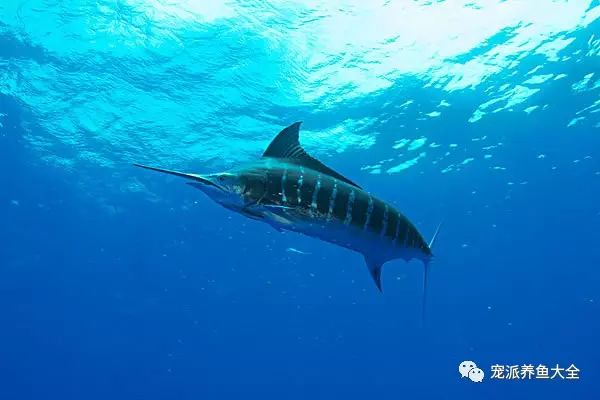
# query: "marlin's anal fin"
[375,270]
[286,145]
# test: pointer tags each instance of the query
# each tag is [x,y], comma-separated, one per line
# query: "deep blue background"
[179,298]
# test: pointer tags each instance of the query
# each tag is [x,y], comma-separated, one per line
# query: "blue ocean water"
[120,283]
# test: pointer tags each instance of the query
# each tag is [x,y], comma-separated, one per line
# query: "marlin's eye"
[221,178]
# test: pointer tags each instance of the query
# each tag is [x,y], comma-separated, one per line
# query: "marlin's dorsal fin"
[286,145]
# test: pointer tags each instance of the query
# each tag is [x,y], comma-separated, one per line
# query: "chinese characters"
[529,371]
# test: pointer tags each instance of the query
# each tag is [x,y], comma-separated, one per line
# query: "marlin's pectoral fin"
[375,270]
[276,207]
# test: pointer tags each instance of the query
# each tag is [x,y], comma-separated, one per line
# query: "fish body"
[300,199]
[290,190]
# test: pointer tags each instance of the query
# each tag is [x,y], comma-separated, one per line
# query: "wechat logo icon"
[468,369]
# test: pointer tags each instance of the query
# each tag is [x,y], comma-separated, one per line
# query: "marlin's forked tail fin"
[435,235]
[426,272]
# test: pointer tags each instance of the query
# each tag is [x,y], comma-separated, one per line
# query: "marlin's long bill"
[168,171]
[195,177]
[291,190]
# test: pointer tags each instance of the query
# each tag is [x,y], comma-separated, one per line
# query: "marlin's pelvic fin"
[247,211]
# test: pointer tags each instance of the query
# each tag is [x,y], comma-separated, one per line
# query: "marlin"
[290,190]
